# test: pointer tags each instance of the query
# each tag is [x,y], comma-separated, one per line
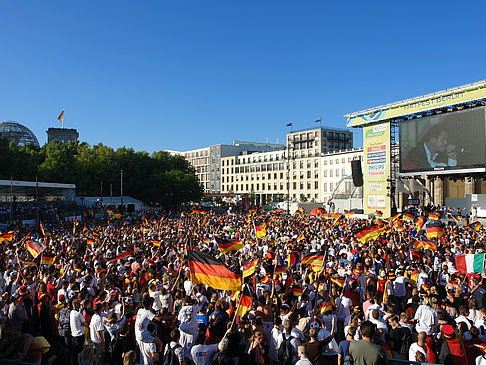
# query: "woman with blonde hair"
[256,350]
[129,358]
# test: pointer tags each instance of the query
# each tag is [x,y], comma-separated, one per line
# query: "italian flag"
[470,263]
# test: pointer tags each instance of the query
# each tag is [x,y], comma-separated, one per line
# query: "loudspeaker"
[357,173]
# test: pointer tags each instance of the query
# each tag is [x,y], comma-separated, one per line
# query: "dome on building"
[17,133]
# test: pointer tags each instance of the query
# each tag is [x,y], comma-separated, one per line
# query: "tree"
[159,178]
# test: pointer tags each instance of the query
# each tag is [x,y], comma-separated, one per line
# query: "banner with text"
[376,142]
[417,105]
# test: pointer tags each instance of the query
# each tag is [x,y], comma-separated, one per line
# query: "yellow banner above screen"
[411,106]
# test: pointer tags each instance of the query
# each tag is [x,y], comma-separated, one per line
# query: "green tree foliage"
[158,179]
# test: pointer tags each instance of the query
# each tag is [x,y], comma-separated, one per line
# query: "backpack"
[170,358]
[406,341]
[285,351]
[64,327]
[113,343]
[218,359]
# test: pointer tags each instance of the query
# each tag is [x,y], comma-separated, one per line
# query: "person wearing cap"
[17,315]
[452,350]
[155,293]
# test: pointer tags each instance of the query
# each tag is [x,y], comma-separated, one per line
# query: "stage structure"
[435,137]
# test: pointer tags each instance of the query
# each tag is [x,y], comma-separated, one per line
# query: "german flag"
[417,245]
[325,307]
[435,229]
[454,234]
[368,233]
[145,221]
[349,214]
[412,276]
[297,291]
[35,248]
[205,269]
[338,220]
[90,241]
[378,213]
[314,258]
[120,257]
[475,226]
[291,260]
[429,245]
[228,245]
[466,220]
[244,305]
[249,269]
[434,216]
[47,259]
[420,223]
[234,295]
[279,270]
[6,237]
[155,243]
[338,281]
[457,218]
[408,217]
[42,229]
[260,229]
[61,116]
[301,237]
[30,263]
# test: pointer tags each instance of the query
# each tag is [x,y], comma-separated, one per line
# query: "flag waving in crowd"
[193,283]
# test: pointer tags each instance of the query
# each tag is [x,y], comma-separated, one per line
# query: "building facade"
[63,135]
[336,167]
[263,175]
[207,161]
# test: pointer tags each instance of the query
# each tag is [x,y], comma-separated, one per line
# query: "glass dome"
[18,133]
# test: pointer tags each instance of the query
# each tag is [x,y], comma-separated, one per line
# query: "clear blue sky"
[154,74]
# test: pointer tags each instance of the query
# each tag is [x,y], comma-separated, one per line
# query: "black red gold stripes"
[205,269]
[314,258]
[228,245]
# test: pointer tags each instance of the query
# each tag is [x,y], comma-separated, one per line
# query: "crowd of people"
[316,291]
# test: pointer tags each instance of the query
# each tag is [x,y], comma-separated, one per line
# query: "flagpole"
[37,200]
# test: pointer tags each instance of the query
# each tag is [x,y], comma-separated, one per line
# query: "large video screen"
[450,141]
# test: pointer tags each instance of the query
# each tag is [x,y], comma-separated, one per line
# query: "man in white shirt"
[418,346]
[400,286]
[302,352]
[426,318]
[154,293]
[147,349]
[96,332]
[188,325]
[144,317]
[202,353]
[77,324]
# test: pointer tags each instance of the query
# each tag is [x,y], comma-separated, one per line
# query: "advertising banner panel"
[453,141]
[417,105]
[376,142]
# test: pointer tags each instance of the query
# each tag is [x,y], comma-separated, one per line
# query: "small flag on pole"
[288,125]
[318,120]
[61,116]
